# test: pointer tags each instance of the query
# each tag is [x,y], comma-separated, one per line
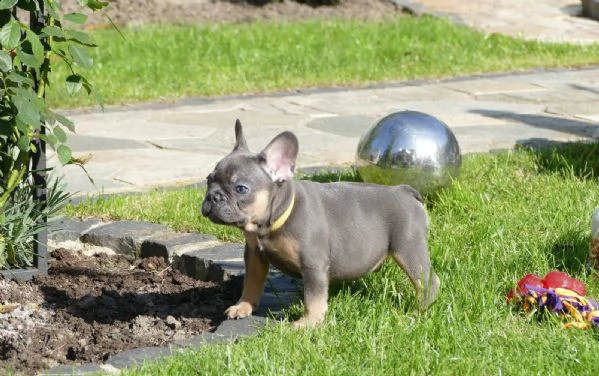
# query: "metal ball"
[409,147]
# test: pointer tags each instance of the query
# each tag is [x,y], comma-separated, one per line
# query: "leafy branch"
[25,56]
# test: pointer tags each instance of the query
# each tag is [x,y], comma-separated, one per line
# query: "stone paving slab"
[84,369]
[546,20]
[220,252]
[593,118]
[342,125]
[169,244]
[123,236]
[582,110]
[137,357]
[76,181]
[558,95]
[183,141]
[218,263]
[131,125]
[64,228]
[206,269]
[87,143]
[490,86]
[419,91]
[235,329]
[136,170]
[200,340]
[471,109]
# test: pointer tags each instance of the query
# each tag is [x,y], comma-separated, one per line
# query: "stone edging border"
[196,255]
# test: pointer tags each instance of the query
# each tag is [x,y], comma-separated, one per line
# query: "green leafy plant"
[24,217]
[26,51]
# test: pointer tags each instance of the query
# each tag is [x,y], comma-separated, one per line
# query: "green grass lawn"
[170,62]
[507,215]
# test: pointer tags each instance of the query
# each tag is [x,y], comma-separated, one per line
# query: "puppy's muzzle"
[212,199]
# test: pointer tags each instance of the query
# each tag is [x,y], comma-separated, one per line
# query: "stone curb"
[196,255]
[420,10]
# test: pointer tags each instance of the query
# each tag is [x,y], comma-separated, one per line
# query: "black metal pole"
[40,250]
[38,170]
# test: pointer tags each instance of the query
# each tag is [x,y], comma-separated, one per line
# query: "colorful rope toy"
[557,293]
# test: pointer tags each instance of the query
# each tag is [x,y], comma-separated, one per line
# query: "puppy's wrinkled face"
[238,191]
[239,188]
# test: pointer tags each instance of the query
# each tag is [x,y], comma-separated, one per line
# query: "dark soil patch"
[91,307]
[139,12]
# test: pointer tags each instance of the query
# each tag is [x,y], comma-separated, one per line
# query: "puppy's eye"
[241,189]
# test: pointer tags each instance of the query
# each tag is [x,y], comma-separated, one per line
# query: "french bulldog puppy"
[314,231]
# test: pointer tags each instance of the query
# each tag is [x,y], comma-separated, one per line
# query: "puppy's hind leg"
[316,289]
[413,257]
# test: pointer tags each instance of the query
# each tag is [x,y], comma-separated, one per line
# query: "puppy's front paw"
[307,322]
[239,310]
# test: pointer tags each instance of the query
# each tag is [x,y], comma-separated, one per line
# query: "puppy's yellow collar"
[284,217]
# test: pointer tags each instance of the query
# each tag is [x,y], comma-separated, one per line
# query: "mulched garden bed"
[141,12]
[91,307]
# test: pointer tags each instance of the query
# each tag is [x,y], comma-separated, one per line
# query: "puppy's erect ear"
[240,143]
[279,157]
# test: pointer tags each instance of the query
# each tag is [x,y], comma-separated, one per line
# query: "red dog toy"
[554,279]
[557,293]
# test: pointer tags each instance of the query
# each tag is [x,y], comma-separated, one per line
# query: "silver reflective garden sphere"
[409,147]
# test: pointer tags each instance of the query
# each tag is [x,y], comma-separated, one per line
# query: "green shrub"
[23,218]
[26,123]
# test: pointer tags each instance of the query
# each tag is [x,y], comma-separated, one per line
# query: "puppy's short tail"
[412,191]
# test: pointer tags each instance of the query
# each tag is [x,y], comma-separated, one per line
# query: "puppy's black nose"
[214,196]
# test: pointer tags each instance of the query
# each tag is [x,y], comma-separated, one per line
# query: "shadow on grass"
[569,254]
[331,175]
[387,283]
[365,292]
[580,159]
[571,159]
